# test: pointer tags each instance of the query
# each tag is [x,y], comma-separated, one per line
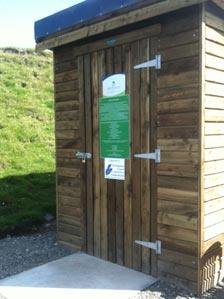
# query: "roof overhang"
[150,9]
[219,3]
[84,13]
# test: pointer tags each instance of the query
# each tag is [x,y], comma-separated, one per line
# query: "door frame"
[151,32]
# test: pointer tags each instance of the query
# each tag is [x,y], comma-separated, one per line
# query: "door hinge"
[151,245]
[150,156]
[156,63]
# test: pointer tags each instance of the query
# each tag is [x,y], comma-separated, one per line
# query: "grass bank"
[27,189]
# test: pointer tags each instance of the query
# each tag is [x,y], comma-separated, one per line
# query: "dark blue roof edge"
[81,14]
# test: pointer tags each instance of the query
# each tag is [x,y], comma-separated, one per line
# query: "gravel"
[21,253]
[165,290]
[18,254]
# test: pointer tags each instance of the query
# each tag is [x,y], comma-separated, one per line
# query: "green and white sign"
[114,85]
[114,118]
[114,127]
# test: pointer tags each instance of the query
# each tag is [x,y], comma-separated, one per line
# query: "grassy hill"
[27,187]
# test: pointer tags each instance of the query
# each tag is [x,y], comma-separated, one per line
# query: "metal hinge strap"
[154,246]
[156,63]
[150,156]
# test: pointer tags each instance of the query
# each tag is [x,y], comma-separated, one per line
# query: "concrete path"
[78,276]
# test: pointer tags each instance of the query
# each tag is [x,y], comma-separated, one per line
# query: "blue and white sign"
[114,169]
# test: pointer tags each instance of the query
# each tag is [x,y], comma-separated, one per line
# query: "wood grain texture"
[156,202]
[111,184]
[119,185]
[136,163]
[103,182]
[116,22]
[202,50]
[144,52]
[128,243]
[89,149]
[67,133]
[178,136]
[83,186]
[96,158]
[213,216]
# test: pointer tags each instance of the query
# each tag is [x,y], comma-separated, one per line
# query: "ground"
[27,180]
[24,252]
[20,253]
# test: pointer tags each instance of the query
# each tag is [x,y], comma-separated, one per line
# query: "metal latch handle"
[83,156]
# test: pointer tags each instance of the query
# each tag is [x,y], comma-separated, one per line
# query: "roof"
[93,17]
[79,15]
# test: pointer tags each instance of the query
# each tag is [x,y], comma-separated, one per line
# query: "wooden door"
[116,213]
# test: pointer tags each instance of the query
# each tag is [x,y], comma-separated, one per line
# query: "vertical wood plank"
[89,149]
[145,148]
[136,163]
[96,160]
[201,172]
[111,184]
[103,181]
[153,168]
[106,213]
[119,185]
[83,149]
[128,244]
[56,148]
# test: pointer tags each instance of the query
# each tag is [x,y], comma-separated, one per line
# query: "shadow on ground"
[25,200]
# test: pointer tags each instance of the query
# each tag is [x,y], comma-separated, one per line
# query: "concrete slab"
[78,276]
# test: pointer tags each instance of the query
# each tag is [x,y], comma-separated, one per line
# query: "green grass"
[27,189]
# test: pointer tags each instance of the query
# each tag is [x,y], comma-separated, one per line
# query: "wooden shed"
[172,194]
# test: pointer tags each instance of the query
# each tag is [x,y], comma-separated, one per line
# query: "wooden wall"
[68,130]
[186,236]
[177,125]
[213,143]
[178,138]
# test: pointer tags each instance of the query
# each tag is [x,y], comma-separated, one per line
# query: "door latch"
[83,156]
[150,156]
[156,63]
[151,245]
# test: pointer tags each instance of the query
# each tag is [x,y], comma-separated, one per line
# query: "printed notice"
[114,169]
[114,118]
